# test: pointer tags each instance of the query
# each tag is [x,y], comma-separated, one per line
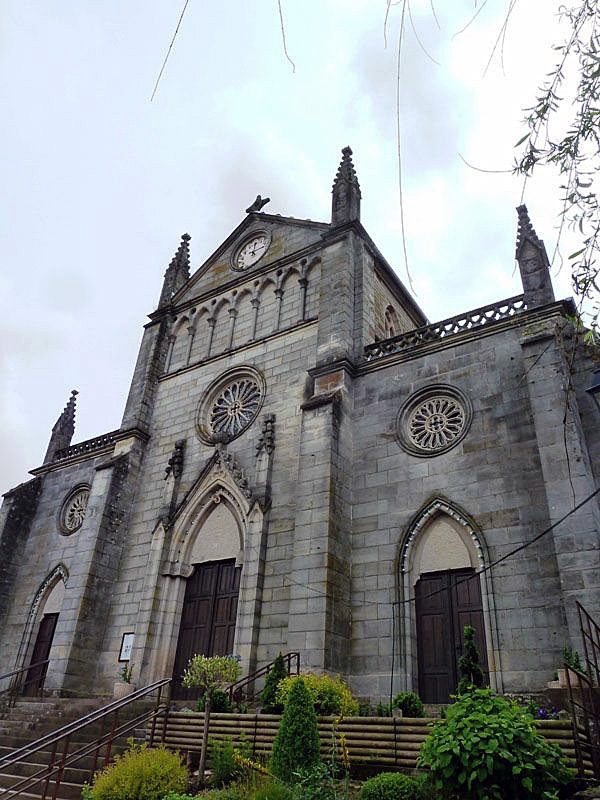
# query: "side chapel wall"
[493,474]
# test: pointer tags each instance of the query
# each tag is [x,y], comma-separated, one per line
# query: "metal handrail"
[590,635]
[58,763]
[16,686]
[23,669]
[235,688]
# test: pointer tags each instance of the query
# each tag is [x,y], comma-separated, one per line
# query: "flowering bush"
[330,694]
[141,773]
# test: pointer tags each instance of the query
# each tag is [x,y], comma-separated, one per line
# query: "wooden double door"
[36,674]
[445,603]
[208,617]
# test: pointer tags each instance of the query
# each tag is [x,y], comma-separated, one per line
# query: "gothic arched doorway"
[40,630]
[441,554]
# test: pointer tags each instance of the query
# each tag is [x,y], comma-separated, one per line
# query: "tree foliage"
[575,152]
[210,674]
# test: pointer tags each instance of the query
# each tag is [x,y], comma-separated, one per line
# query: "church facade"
[305,463]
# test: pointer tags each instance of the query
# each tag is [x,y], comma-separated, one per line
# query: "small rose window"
[73,510]
[433,420]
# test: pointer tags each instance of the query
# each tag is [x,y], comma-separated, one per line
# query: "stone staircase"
[29,720]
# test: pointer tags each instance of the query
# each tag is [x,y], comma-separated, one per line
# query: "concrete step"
[74,774]
[85,763]
[67,791]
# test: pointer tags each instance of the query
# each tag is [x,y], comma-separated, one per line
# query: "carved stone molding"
[266,439]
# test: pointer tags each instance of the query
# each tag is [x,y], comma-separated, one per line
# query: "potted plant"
[572,661]
[124,686]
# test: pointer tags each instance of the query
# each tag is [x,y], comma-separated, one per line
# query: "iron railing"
[585,722]
[460,323]
[59,741]
[236,691]
[590,633]
[19,681]
[584,697]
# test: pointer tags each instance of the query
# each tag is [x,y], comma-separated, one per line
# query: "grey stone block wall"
[325,519]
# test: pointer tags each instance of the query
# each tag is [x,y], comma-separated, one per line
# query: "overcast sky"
[98,183]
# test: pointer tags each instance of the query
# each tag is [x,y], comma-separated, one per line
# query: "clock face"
[251,251]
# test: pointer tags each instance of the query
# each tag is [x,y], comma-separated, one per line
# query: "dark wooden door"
[34,680]
[445,603]
[208,617]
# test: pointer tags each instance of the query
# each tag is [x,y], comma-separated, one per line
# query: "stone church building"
[306,464]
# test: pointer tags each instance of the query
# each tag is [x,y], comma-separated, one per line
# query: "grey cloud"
[433,113]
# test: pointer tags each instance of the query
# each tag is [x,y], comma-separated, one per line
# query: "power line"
[169,50]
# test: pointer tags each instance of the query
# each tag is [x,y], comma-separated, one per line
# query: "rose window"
[436,423]
[433,420]
[235,408]
[230,405]
[73,511]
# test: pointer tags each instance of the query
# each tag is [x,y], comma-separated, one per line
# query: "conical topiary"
[268,696]
[296,745]
[468,663]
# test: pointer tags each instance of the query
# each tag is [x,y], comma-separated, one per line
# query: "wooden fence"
[371,741]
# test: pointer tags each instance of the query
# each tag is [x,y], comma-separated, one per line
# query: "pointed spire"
[63,429]
[534,265]
[345,202]
[178,271]
[525,231]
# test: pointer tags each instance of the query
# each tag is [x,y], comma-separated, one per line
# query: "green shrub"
[220,703]
[330,694]
[268,696]
[297,742]
[140,773]
[271,790]
[392,786]
[316,783]
[225,767]
[409,703]
[383,710]
[487,748]
[572,659]
[178,796]
[234,792]
[472,676]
